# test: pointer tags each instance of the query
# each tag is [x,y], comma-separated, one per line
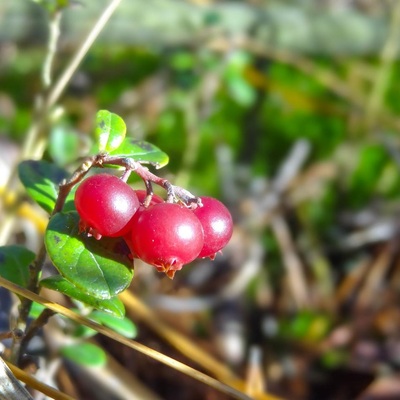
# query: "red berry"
[106,204]
[167,236]
[141,195]
[217,225]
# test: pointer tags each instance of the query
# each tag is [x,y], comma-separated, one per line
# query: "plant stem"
[59,86]
[25,305]
[54,34]
[62,82]
[38,323]
[174,193]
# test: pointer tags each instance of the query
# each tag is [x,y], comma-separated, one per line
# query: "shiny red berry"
[106,204]
[217,224]
[141,195]
[167,236]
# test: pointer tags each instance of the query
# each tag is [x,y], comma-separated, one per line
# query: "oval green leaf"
[41,180]
[110,130]
[123,326]
[64,145]
[141,151]
[14,264]
[100,268]
[87,354]
[113,306]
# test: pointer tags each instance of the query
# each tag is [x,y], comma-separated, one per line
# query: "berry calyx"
[167,236]
[217,224]
[106,205]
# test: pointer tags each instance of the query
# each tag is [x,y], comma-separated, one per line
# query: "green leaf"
[183,60]
[123,326]
[64,145]
[14,264]
[334,358]
[41,180]
[52,5]
[242,91]
[234,75]
[110,130]
[141,151]
[101,268]
[87,354]
[113,305]
[367,175]
[82,331]
[36,310]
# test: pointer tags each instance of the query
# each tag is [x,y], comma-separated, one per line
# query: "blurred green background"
[285,110]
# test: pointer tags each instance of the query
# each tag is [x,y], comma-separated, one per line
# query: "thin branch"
[45,106]
[37,324]
[174,193]
[80,54]
[54,34]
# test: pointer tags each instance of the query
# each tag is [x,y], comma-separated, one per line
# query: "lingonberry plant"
[99,224]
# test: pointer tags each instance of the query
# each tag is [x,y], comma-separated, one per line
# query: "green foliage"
[53,5]
[366,176]
[335,358]
[36,310]
[113,305]
[110,131]
[239,89]
[14,264]
[319,213]
[141,151]
[102,268]
[86,354]
[64,145]
[123,326]
[41,179]
[306,326]
[171,124]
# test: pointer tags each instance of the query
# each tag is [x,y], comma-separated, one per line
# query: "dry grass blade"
[294,267]
[10,387]
[35,384]
[182,344]
[375,278]
[176,339]
[222,387]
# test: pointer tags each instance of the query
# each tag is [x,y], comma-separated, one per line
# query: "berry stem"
[66,186]
[174,193]
[149,191]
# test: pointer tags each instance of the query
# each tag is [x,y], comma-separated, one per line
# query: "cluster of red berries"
[165,235]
